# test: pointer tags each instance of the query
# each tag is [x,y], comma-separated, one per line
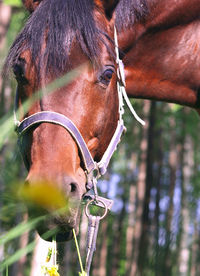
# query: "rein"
[93,169]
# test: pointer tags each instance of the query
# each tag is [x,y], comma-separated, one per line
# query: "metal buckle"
[100,202]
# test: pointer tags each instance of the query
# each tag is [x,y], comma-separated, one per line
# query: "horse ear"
[31,5]
[109,6]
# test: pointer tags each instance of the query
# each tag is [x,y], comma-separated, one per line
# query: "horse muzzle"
[59,226]
[57,204]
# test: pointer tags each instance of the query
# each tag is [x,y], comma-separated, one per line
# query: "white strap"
[121,86]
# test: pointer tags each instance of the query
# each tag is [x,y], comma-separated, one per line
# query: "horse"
[77,121]
[158,43]
[161,49]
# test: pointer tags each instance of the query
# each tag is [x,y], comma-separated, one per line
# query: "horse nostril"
[73,188]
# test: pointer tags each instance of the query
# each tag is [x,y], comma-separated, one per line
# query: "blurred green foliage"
[14,3]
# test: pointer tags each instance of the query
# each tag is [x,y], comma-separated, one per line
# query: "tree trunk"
[5,15]
[195,249]
[103,249]
[130,228]
[23,242]
[185,216]
[140,195]
[158,182]
[144,238]
[119,237]
[173,163]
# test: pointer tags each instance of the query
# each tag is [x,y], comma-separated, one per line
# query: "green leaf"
[15,3]
[175,107]
[24,251]
[19,230]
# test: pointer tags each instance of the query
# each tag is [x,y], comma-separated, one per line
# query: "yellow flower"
[53,271]
[82,273]
[44,194]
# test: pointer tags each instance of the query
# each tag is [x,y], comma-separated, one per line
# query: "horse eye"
[18,70]
[106,76]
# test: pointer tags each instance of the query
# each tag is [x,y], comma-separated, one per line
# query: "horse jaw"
[56,183]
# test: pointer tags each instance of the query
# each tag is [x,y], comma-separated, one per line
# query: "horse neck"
[162,14]
[159,50]
[167,13]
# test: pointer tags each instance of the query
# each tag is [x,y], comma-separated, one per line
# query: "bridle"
[93,169]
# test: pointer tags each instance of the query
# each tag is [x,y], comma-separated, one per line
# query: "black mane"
[130,11]
[58,23]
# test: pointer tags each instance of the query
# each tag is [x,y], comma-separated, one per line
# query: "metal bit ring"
[93,200]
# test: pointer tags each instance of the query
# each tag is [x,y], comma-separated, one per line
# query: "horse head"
[62,36]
